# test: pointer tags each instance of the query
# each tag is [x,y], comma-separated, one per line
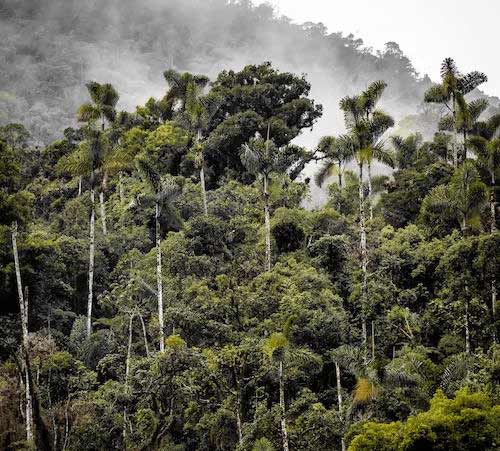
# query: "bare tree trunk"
[144,332]
[370,190]
[467,326]
[159,280]
[91,261]
[24,309]
[120,187]
[127,375]
[339,398]
[373,340]
[202,177]
[267,223]
[339,387]
[238,416]
[493,228]
[103,213]
[364,257]
[340,174]
[284,432]
[80,186]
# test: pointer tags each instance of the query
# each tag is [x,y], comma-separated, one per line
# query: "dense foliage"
[174,293]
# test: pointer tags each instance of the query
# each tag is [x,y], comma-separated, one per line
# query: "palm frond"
[327,169]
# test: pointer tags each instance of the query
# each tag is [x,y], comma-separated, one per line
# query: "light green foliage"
[464,423]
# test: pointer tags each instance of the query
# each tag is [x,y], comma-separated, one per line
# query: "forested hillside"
[50,48]
[163,288]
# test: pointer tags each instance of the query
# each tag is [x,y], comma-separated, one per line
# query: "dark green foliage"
[251,352]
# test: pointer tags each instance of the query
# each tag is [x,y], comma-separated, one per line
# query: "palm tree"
[180,84]
[365,127]
[88,160]
[102,109]
[198,111]
[262,157]
[165,192]
[487,150]
[466,121]
[406,149]
[463,198]
[335,157]
[279,349]
[451,93]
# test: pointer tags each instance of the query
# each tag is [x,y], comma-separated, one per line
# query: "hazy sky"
[426,30]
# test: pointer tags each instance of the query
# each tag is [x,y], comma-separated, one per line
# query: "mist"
[50,48]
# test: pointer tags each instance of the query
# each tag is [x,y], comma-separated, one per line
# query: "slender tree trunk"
[103,212]
[339,387]
[467,321]
[80,186]
[370,190]
[267,223]
[373,340]
[340,174]
[284,432]
[159,280]
[493,228]
[24,309]
[202,177]
[464,156]
[455,132]
[238,416]
[91,261]
[144,333]
[127,376]
[339,398]
[120,187]
[364,258]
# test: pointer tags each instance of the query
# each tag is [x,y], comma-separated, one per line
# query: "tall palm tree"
[487,150]
[365,125]
[198,111]
[281,352]
[466,121]
[451,93]
[180,84]
[87,160]
[262,157]
[165,192]
[102,109]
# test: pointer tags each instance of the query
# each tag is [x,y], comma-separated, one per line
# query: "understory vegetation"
[163,286]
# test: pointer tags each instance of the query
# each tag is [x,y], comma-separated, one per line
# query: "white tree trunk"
[267,225]
[203,189]
[80,186]
[339,387]
[120,187]
[238,416]
[364,256]
[370,190]
[144,333]
[284,433]
[91,261]
[159,280]
[24,308]
[127,376]
[373,340]
[467,328]
[202,177]
[103,212]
